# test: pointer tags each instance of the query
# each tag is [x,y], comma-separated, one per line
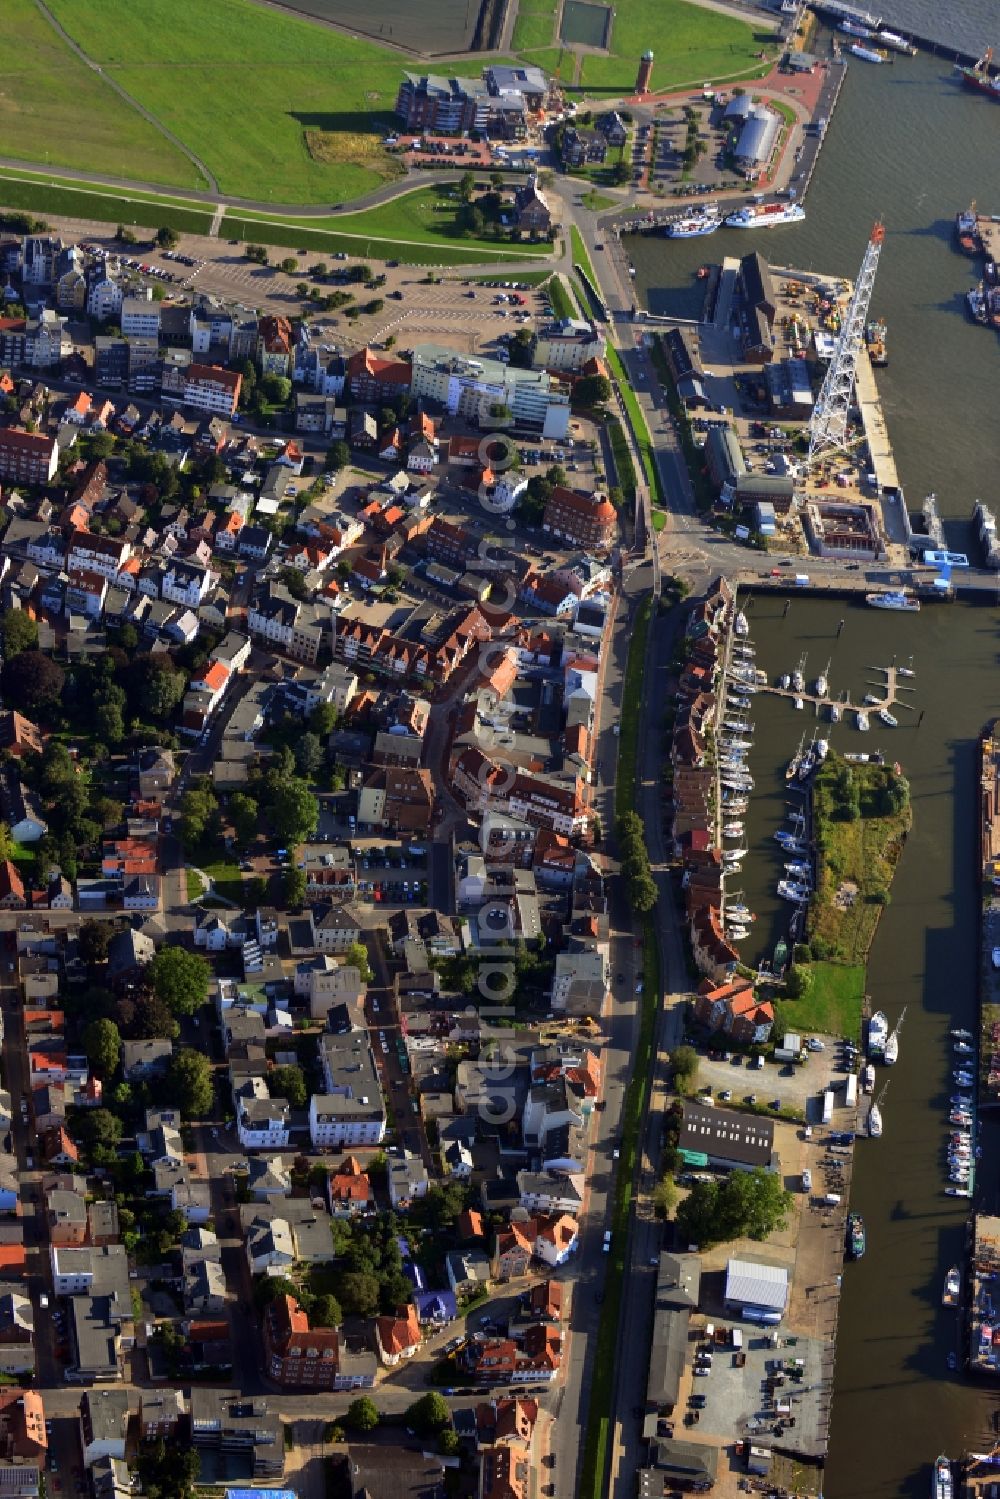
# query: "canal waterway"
[908,144]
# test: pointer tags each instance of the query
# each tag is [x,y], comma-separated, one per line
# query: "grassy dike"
[596,1447]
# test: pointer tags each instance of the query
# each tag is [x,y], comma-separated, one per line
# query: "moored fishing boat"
[878,1032]
[868,54]
[855,1236]
[875,1122]
[893,599]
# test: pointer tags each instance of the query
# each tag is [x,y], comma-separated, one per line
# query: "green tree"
[308,754]
[338,455]
[294,888]
[466,187]
[147,1018]
[98,1128]
[294,580]
[356,956]
[109,723]
[294,811]
[167,238]
[168,1470]
[448,1442]
[179,978]
[103,1044]
[323,719]
[199,814]
[162,687]
[684,1061]
[325,1311]
[289,265]
[359,1293]
[429,1414]
[665,1197]
[32,682]
[747,1204]
[798,981]
[19,631]
[276,389]
[592,390]
[288,1082]
[8,846]
[189,1083]
[244,815]
[94,939]
[270,1287]
[362,1414]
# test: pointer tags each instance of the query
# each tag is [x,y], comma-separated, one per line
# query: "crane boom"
[828,431]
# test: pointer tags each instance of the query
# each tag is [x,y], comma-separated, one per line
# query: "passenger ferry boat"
[893,600]
[705,221]
[765,215]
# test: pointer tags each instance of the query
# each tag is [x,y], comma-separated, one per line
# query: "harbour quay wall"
[933,31]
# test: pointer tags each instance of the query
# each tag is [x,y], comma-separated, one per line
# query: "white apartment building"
[469,386]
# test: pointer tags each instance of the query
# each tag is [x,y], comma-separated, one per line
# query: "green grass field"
[419,227]
[535,25]
[53,108]
[44,195]
[691,46]
[832,1006]
[240,84]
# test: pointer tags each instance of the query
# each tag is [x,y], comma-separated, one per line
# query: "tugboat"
[855,1236]
[941,1485]
[875,340]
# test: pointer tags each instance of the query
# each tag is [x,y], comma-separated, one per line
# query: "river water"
[908,144]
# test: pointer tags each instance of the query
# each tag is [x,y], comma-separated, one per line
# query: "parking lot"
[772,1381]
[797,1086]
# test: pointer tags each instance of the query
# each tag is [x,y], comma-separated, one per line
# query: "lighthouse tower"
[645,73]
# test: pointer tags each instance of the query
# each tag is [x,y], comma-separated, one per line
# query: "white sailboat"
[822,682]
[892,1042]
[875,1121]
[799,675]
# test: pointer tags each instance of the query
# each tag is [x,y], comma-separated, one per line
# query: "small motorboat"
[863,723]
[953,1360]
[904,671]
[798,704]
[888,719]
[871,701]
[733,830]
[730,855]
[737,933]
[962,1048]
[957,1192]
[959,1035]
[784,682]
[835,713]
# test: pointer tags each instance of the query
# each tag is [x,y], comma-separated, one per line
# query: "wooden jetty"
[893,695]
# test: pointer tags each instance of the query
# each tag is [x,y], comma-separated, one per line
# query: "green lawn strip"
[72,184]
[599,1414]
[427,215]
[596,201]
[832,1005]
[659,519]
[622,454]
[226,879]
[194,883]
[53,108]
[105,206]
[361,247]
[580,256]
[628,732]
[562,304]
[691,45]
[523,278]
[532,29]
[640,431]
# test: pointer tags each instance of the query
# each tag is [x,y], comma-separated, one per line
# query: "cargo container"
[851,1090]
[827,1106]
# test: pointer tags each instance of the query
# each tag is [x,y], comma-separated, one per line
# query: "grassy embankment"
[43,194]
[57,111]
[691,45]
[599,1416]
[535,25]
[427,216]
[861,818]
